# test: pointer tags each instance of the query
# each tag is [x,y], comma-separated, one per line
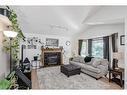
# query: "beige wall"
[4,59]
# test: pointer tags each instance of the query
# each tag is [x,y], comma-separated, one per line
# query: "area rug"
[52,78]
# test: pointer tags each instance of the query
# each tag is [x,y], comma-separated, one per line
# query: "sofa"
[95,67]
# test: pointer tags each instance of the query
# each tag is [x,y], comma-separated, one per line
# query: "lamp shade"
[10,34]
[117,55]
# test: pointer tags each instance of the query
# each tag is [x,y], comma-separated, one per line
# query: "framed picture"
[122,40]
[52,42]
[68,43]
[32,47]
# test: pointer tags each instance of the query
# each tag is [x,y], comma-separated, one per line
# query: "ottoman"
[70,69]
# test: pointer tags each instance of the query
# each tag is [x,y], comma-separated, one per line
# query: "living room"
[73,31]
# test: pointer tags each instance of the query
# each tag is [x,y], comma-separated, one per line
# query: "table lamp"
[116,57]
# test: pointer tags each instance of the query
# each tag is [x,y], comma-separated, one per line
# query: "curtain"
[115,48]
[4,12]
[106,47]
[90,47]
[115,42]
[80,46]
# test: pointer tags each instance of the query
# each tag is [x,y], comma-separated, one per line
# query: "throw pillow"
[104,62]
[82,60]
[76,59]
[96,62]
[87,59]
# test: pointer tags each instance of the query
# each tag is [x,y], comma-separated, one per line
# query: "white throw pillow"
[79,59]
[76,59]
[95,62]
[82,60]
[104,62]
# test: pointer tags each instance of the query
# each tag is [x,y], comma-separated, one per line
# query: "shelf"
[117,81]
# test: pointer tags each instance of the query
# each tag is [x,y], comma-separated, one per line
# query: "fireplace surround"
[51,57]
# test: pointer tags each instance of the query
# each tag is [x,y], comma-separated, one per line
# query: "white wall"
[62,42]
[126,53]
[4,59]
[109,13]
[100,31]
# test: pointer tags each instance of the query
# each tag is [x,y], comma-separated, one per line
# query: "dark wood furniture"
[114,74]
[24,79]
[70,69]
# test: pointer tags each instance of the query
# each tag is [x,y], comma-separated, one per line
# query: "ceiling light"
[10,34]
[58,27]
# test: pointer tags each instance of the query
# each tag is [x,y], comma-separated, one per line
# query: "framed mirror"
[68,43]
[122,40]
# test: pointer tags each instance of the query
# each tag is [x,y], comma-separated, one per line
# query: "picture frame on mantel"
[122,40]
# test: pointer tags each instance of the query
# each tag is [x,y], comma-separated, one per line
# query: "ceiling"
[54,20]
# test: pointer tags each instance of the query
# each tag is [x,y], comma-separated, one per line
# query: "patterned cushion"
[82,60]
[79,59]
[96,62]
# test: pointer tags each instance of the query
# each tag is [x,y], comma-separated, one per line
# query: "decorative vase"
[35,58]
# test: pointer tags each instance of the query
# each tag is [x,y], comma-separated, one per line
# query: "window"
[97,47]
[84,49]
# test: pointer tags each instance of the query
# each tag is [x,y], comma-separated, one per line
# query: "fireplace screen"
[52,58]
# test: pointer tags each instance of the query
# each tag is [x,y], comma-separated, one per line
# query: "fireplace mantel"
[51,51]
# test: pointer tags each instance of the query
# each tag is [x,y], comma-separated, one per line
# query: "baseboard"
[125,85]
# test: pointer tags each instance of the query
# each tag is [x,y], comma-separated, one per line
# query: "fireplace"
[51,57]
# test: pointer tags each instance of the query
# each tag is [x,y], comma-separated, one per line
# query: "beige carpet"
[52,78]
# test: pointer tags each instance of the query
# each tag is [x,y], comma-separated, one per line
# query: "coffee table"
[70,69]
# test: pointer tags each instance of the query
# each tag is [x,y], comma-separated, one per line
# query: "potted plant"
[36,57]
[15,43]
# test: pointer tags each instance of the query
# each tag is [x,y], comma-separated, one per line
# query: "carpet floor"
[52,78]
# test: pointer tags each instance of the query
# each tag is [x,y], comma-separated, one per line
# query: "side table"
[113,73]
